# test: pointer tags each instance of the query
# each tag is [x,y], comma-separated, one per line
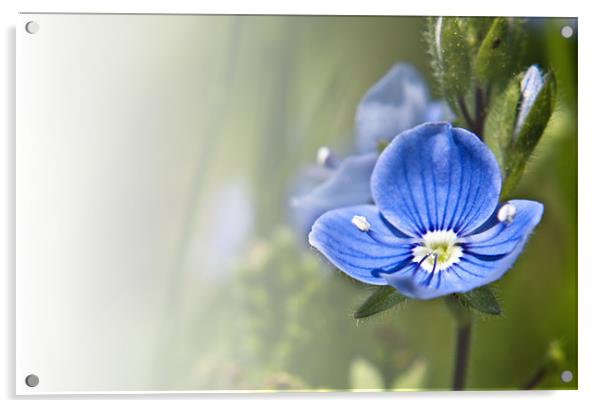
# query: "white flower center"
[438,250]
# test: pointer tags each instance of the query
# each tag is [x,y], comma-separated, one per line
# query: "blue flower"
[398,101]
[436,227]
[347,184]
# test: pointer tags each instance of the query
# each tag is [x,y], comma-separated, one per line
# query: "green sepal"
[383,298]
[476,30]
[527,137]
[501,121]
[498,57]
[482,300]
[450,51]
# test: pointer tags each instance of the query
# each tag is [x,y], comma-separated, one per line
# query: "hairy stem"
[465,113]
[480,112]
[462,349]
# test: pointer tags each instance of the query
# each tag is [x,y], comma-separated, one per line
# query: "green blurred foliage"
[284,318]
[290,300]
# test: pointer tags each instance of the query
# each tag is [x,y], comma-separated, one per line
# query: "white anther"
[323,155]
[506,214]
[361,223]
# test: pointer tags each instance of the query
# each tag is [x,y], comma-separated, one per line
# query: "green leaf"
[383,298]
[365,376]
[476,30]
[451,57]
[482,300]
[499,54]
[529,134]
[501,120]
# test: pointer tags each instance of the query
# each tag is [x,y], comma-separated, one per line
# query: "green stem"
[465,113]
[462,349]
[536,378]
[480,112]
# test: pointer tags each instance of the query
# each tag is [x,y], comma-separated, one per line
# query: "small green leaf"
[482,300]
[383,298]
[529,135]
[555,356]
[498,56]
[363,375]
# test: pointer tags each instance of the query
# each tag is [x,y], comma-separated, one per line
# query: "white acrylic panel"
[111,133]
[155,160]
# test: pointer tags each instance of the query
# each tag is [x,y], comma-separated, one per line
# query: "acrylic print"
[265,203]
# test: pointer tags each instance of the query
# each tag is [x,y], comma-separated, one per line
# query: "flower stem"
[481,112]
[465,113]
[462,348]
[535,379]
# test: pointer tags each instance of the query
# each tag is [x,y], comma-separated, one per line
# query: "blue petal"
[435,177]
[415,282]
[348,185]
[487,256]
[308,178]
[361,255]
[398,101]
[502,239]
[530,87]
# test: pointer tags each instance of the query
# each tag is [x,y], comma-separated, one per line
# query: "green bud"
[383,298]
[476,30]
[555,357]
[534,112]
[516,121]
[451,57]
[499,53]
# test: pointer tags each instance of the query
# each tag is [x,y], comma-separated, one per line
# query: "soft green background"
[277,316]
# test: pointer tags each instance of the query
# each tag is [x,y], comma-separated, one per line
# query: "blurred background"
[239,301]
[280,317]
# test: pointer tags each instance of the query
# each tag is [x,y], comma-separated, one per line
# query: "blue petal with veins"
[434,229]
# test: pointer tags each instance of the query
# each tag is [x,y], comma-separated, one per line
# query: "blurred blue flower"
[347,184]
[436,227]
[530,86]
[398,101]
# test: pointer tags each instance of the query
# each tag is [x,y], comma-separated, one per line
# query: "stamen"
[506,213]
[437,251]
[325,157]
[435,263]
[361,223]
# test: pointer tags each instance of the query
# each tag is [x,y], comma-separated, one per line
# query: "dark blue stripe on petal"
[355,252]
[436,177]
